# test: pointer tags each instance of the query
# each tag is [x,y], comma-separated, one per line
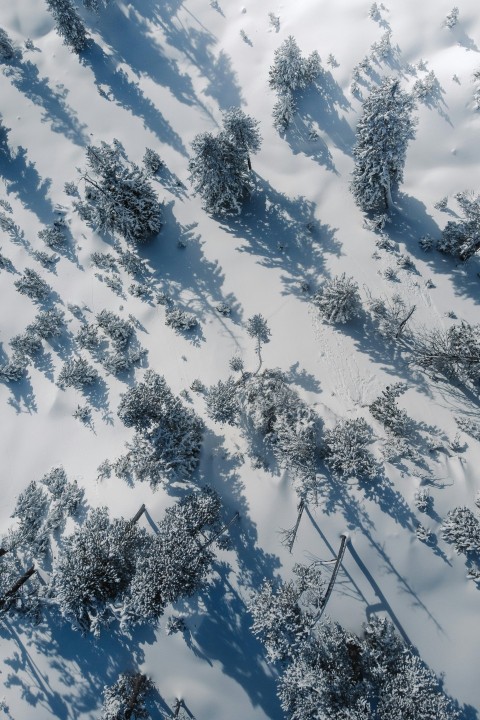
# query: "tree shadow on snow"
[409,223]
[284,233]
[128,95]
[62,118]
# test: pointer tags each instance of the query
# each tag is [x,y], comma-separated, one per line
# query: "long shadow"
[134,44]
[283,233]
[22,179]
[63,119]
[83,664]
[409,223]
[320,106]
[224,635]
[196,44]
[176,262]
[128,94]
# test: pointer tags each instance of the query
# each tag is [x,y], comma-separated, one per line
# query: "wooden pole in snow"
[138,514]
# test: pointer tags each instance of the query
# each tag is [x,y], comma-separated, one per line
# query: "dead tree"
[289,536]
[336,569]
[16,586]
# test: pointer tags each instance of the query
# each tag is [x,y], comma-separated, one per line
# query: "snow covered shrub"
[14,370]
[462,239]
[174,625]
[242,131]
[30,511]
[104,261]
[118,196]
[383,48]
[68,24]
[126,698]
[32,285]
[122,361]
[219,173]
[290,71]
[382,137]
[176,561]
[83,413]
[180,319]
[462,529]
[469,426]
[454,353]
[26,345]
[48,323]
[87,337]
[169,435]
[346,452]
[152,161]
[94,568]
[452,18]
[53,236]
[222,402]
[390,315]
[284,111]
[426,87]
[385,410]
[118,330]
[423,500]
[7,49]
[441,204]
[338,300]
[284,613]
[270,408]
[77,373]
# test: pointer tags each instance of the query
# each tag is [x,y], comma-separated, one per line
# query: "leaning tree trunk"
[290,535]
[138,685]
[234,517]
[138,514]
[16,587]
[336,569]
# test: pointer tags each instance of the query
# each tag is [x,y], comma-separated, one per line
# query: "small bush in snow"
[423,500]
[53,236]
[118,330]
[452,18]
[346,449]
[46,260]
[14,370]
[441,204]
[174,625]
[454,353]
[87,337]
[469,426]
[32,285]
[390,315]
[48,323]
[152,161]
[122,361]
[222,402]
[462,238]
[77,373]
[338,300]
[180,319]
[104,261]
[290,71]
[462,529]
[83,413]
[385,410]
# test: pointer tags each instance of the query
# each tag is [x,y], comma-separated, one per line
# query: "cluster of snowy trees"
[288,74]
[326,671]
[220,167]
[118,196]
[461,238]
[168,438]
[41,512]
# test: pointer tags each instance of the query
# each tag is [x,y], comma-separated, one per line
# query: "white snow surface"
[157,74]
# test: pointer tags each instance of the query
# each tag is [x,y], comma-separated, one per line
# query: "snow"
[155,76]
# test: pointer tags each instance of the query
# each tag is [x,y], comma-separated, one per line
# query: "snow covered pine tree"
[382,137]
[118,196]
[68,24]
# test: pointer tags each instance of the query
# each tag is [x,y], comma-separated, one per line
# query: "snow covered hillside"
[277,330]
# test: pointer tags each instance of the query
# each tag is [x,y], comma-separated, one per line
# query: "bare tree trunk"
[178,706]
[234,517]
[292,534]
[404,322]
[16,587]
[259,353]
[137,687]
[138,514]
[336,568]
[249,163]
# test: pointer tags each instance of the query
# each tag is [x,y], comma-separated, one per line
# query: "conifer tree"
[382,136]
[68,24]
[242,131]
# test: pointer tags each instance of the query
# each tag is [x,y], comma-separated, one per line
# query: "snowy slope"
[156,74]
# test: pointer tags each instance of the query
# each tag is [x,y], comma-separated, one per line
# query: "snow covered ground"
[157,73]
